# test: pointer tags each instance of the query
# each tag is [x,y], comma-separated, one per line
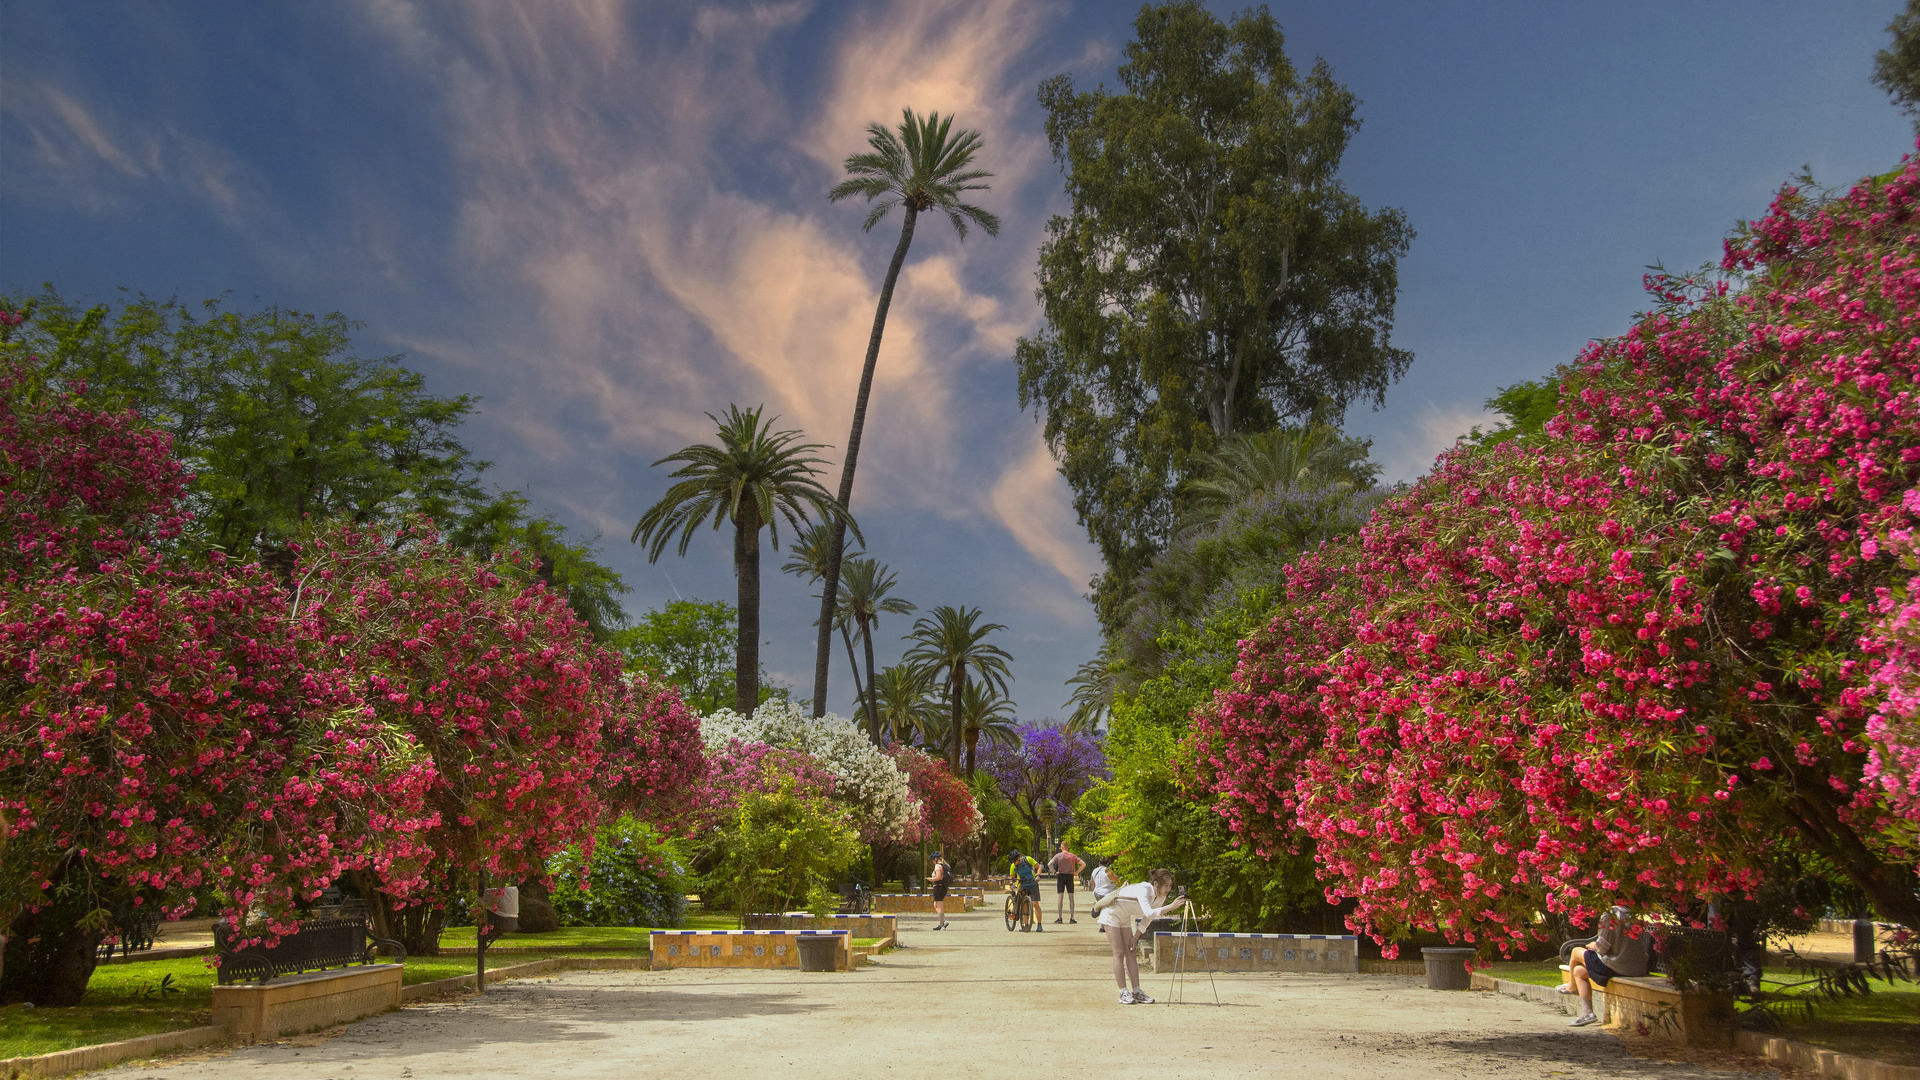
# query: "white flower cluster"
[864,778]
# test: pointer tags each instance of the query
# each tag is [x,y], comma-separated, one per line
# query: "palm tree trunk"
[830,584]
[973,740]
[873,693]
[959,690]
[859,692]
[746,569]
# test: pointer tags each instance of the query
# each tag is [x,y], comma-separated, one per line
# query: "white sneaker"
[1126,997]
[1584,1019]
[1140,998]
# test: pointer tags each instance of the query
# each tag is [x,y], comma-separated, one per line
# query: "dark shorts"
[1597,969]
[1063,883]
[939,890]
[1032,890]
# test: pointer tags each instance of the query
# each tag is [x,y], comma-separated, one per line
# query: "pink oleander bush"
[1634,657]
[1893,731]
[947,810]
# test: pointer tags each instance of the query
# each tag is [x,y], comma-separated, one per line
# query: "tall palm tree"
[807,558]
[867,585]
[985,714]
[906,705]
[952,641]
[753,478]
[923,168]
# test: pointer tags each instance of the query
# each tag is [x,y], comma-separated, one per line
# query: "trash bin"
[817,951]
[1447,968]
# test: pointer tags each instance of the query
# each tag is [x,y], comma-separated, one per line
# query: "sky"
[608,219]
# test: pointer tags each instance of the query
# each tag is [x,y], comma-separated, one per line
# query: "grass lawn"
[124,1001]
[584,937]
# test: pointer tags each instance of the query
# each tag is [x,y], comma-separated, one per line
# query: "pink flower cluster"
[946,805]
[1629,659]
[390,705]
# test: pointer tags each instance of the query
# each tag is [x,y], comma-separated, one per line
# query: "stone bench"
[957,901]
[292,1004]
[741,948]
[884,927]
[1336,953]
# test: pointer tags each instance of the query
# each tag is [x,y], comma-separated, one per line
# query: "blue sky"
[607,219]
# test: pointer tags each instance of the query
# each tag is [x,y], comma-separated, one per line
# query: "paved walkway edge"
[102,1055]
[1772,1047]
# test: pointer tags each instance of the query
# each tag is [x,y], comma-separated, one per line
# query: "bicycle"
[1020,908]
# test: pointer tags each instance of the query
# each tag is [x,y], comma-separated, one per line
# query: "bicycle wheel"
[1013,911]
[1026,913]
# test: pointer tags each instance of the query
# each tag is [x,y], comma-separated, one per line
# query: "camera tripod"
[1178,982]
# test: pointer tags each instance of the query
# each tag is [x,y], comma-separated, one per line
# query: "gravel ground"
[973,1000]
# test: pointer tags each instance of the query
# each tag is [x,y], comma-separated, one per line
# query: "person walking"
[1123,912]
[940,877]
[1024,877]
[1065,866]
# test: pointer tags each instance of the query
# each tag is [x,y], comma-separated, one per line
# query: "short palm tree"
[988,715]
[1093,686]
[952,642]
[924,168]
[754,477]
[867,584]
[807,559]
[1315,457]
[906,706]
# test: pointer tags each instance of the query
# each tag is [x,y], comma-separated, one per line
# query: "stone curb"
[1544,995]
[1815,1060]
[105,1055]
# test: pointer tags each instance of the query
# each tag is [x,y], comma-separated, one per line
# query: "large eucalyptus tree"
[1211,275]
[925,168]
[752,478]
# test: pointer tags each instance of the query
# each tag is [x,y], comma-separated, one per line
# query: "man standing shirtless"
[1065,866]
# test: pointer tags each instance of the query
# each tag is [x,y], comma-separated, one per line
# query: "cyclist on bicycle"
[1025,874]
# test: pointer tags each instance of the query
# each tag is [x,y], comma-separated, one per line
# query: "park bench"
[133,933]
[324,973]
[329,941]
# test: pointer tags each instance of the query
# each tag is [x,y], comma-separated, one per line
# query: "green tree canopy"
[284,427]
[1212,275]
[689,644]
[1896,68]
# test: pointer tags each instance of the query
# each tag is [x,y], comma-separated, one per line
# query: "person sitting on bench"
[1624,947]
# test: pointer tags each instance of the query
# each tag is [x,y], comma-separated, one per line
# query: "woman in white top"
[1124,912]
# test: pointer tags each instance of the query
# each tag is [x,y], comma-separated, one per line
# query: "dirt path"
[971,1001]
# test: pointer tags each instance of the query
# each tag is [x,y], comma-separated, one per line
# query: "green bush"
[637,879]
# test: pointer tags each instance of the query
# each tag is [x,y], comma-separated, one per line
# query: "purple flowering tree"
[1047,763]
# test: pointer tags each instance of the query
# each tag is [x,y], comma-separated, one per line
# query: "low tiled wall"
[296,1003]
[958,900]
[1256,952]
[741,948]
[884,927]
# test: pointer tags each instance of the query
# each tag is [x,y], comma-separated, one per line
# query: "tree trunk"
[873,695]
[830,584]
[957,690]
[746,569]
[52,957]
[859,692]
[973,739]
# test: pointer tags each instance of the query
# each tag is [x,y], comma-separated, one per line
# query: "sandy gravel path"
[971,1001]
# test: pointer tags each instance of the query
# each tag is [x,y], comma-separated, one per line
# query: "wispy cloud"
[1409,452]
[1031,500]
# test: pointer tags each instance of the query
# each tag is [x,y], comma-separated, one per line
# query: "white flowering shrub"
[865,778]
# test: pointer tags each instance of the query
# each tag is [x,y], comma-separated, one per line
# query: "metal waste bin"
[817,951]
[1447,968]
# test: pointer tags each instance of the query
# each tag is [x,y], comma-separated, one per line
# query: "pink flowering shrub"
[653,757]
[1893,731]
[1631,658]
[947,810]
